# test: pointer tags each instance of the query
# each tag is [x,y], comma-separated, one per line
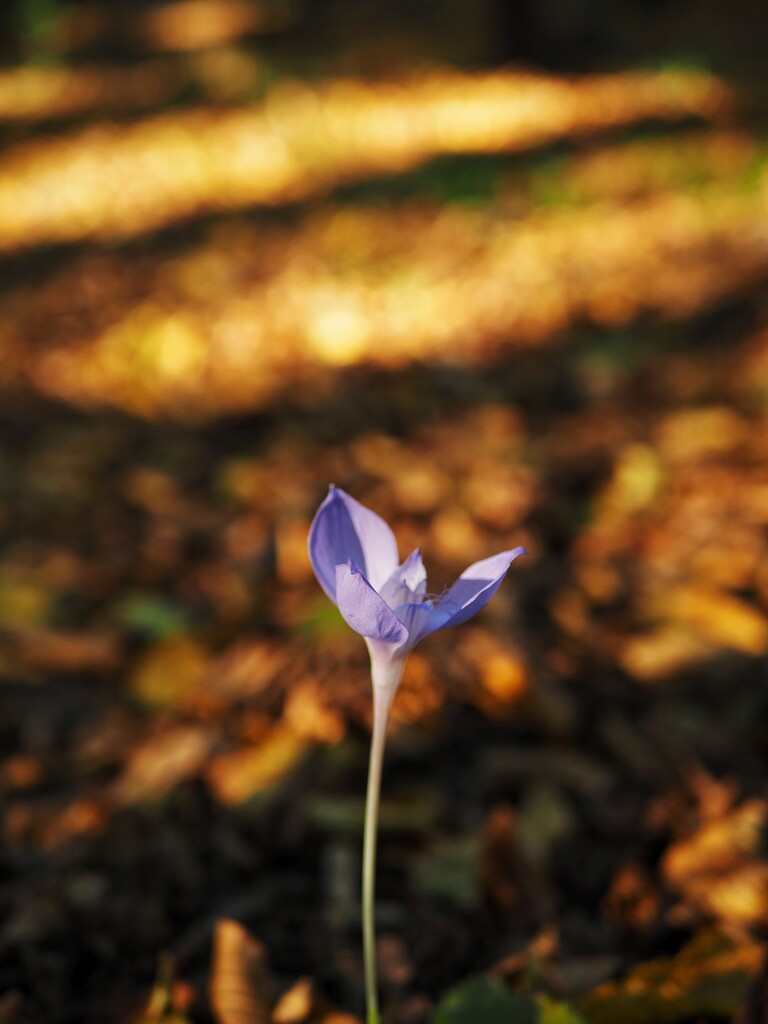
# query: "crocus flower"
[354,555]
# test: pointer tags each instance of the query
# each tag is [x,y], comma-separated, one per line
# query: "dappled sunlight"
[231,323]
[119,181]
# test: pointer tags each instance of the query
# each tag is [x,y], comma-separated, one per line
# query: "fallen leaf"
[662,652]
[240,774]
[240,984]
[162,761]
[721,869]
[710,977]
[50,650]
[295,1005]
[170,674]
[717,616]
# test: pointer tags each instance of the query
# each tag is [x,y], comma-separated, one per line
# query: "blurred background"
[500,270]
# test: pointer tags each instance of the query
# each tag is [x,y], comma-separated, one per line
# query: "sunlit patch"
[224,325]
[339,334]
[117,181]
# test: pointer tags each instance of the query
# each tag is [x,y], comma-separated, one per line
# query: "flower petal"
[409,580]
[344,531]
[363,609]
[413,573]
[421,618]
[474,588]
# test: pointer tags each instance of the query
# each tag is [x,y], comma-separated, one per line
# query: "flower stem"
[385,676]
[380,716]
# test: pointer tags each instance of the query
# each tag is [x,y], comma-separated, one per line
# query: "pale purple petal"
[475,587]
[409,580]
[363,609]
[421,618]
[343,531]
[413,573]
[377,540]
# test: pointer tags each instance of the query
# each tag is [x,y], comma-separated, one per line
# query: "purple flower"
[354,555]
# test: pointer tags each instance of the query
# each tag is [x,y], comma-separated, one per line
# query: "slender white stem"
[385,677]
[369,864]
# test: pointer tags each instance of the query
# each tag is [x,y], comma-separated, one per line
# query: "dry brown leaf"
[163,761]
[247,669]
[237,775]
[171,674]
[721,869]
[689,434]
[309,716]
[720,845]
[633,901]
[708,979]
[50,650]
[716,615]
[295,1005]
[662,652]
[240,984]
